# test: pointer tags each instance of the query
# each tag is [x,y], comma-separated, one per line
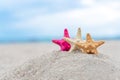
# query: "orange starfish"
[90,46]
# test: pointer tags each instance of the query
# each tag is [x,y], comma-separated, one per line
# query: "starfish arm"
[94,51]
[80,45]
[85,50]
[68,40]
[88,38]
[66,34]
[97,44]
[78,36]
[89,51]
[73,48]
[62,47]
[56,41]
[82,50]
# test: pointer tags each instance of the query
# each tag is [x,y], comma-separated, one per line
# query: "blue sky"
[25,19]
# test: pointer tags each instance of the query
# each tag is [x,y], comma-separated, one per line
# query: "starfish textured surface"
[72,41]
[64,45]
[90,46]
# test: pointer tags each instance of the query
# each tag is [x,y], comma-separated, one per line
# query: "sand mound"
[66,66]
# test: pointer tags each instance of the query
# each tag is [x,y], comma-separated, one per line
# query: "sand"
[12,55]
[24,63]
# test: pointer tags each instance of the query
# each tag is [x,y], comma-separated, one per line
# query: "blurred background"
[43,20]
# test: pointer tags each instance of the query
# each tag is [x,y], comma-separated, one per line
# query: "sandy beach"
[15,55]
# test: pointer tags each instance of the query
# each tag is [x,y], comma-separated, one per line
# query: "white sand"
[57,65]
[12,55]
[66,66]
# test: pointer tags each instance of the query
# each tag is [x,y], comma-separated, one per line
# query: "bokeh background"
[43,20]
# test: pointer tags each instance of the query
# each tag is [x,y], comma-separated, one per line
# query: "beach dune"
[59,65]
[44,61]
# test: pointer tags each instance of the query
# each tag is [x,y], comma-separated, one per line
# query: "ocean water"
[46,39]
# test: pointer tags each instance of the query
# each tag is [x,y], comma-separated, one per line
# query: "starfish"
[72,41]
[65,46]
[90,46]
